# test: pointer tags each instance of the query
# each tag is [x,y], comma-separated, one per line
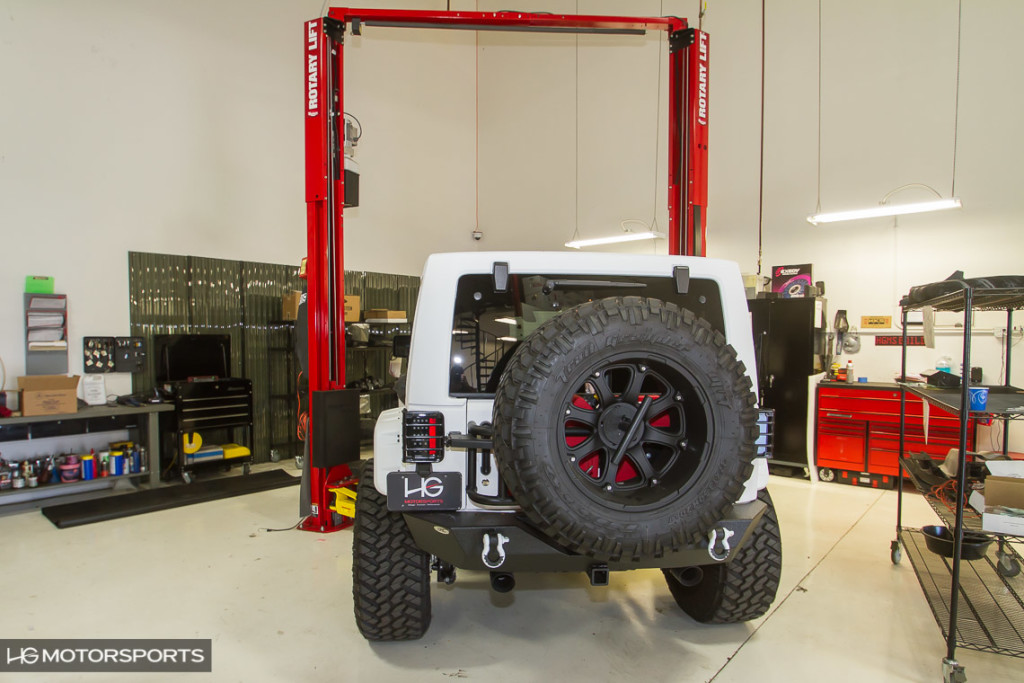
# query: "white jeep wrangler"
[571,412]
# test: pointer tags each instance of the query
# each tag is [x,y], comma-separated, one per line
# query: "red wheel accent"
[591,465]
[660,454]
[572,440]
[663,421]
[626,472]
[581,402]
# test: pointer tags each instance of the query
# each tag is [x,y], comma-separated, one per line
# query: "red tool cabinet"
[857,432]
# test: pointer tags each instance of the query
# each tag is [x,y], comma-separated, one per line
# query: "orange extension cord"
[302,416]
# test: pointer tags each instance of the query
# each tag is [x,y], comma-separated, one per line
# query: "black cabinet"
[212,409]
[790,345]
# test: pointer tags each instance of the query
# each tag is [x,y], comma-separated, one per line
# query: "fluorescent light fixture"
[885,210]
[624,237]
[507,321]
[508,339]
[455,332]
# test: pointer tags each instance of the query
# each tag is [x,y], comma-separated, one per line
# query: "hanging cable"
[760,188]
[301,416]
[576,232]
[818,209]
[477,95]
[657,129]
[956,98]
[700,16]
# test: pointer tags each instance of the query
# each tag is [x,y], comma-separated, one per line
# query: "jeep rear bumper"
[459,538]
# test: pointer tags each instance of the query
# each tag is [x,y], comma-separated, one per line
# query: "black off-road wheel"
[741,590]
[625,428]
[390,574]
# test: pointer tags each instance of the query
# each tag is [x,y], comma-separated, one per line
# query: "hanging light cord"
[818,206]
[657,130]
[576,208]
[760,189]
[956,99]
[477,105]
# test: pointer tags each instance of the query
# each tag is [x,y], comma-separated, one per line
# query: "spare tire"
[625,428]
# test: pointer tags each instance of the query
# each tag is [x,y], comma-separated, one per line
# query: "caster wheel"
[952,672]
[1008,565]
[246,469]
[186,477]
[826,474]
[895,553]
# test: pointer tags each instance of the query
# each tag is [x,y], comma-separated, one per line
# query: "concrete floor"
[278,605]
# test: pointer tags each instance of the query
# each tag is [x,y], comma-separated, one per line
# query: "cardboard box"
[48,394]
[383,314]
[351,309]
[791,282]
[1004,488]
[290,305]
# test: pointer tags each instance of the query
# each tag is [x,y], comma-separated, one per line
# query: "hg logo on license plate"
[437,491]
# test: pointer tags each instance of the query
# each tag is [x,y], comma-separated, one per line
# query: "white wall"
[176,127]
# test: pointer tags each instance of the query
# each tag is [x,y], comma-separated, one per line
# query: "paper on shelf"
[46,334]
[46,345]
[45,319]
[1006,468]
[926,412]
[50,302]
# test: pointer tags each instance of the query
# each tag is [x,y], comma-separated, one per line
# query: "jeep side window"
[488,326]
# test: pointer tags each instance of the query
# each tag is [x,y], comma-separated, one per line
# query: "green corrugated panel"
[158,290]
[172,294]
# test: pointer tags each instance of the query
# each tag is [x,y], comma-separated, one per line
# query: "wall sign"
[897,340]
[876,322]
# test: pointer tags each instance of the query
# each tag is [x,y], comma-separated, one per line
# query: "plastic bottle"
[850,378]
[944,364]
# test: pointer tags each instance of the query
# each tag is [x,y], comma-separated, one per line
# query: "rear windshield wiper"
[551,285]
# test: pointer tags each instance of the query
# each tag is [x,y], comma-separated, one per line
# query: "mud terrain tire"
[743,589]
[390,574]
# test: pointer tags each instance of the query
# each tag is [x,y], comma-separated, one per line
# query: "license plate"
[437,491]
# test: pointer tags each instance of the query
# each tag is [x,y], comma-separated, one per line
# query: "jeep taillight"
[423,437]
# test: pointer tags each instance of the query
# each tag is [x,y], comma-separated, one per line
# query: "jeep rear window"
[488,326]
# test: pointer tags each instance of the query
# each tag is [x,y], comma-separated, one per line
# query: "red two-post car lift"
[325,177]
